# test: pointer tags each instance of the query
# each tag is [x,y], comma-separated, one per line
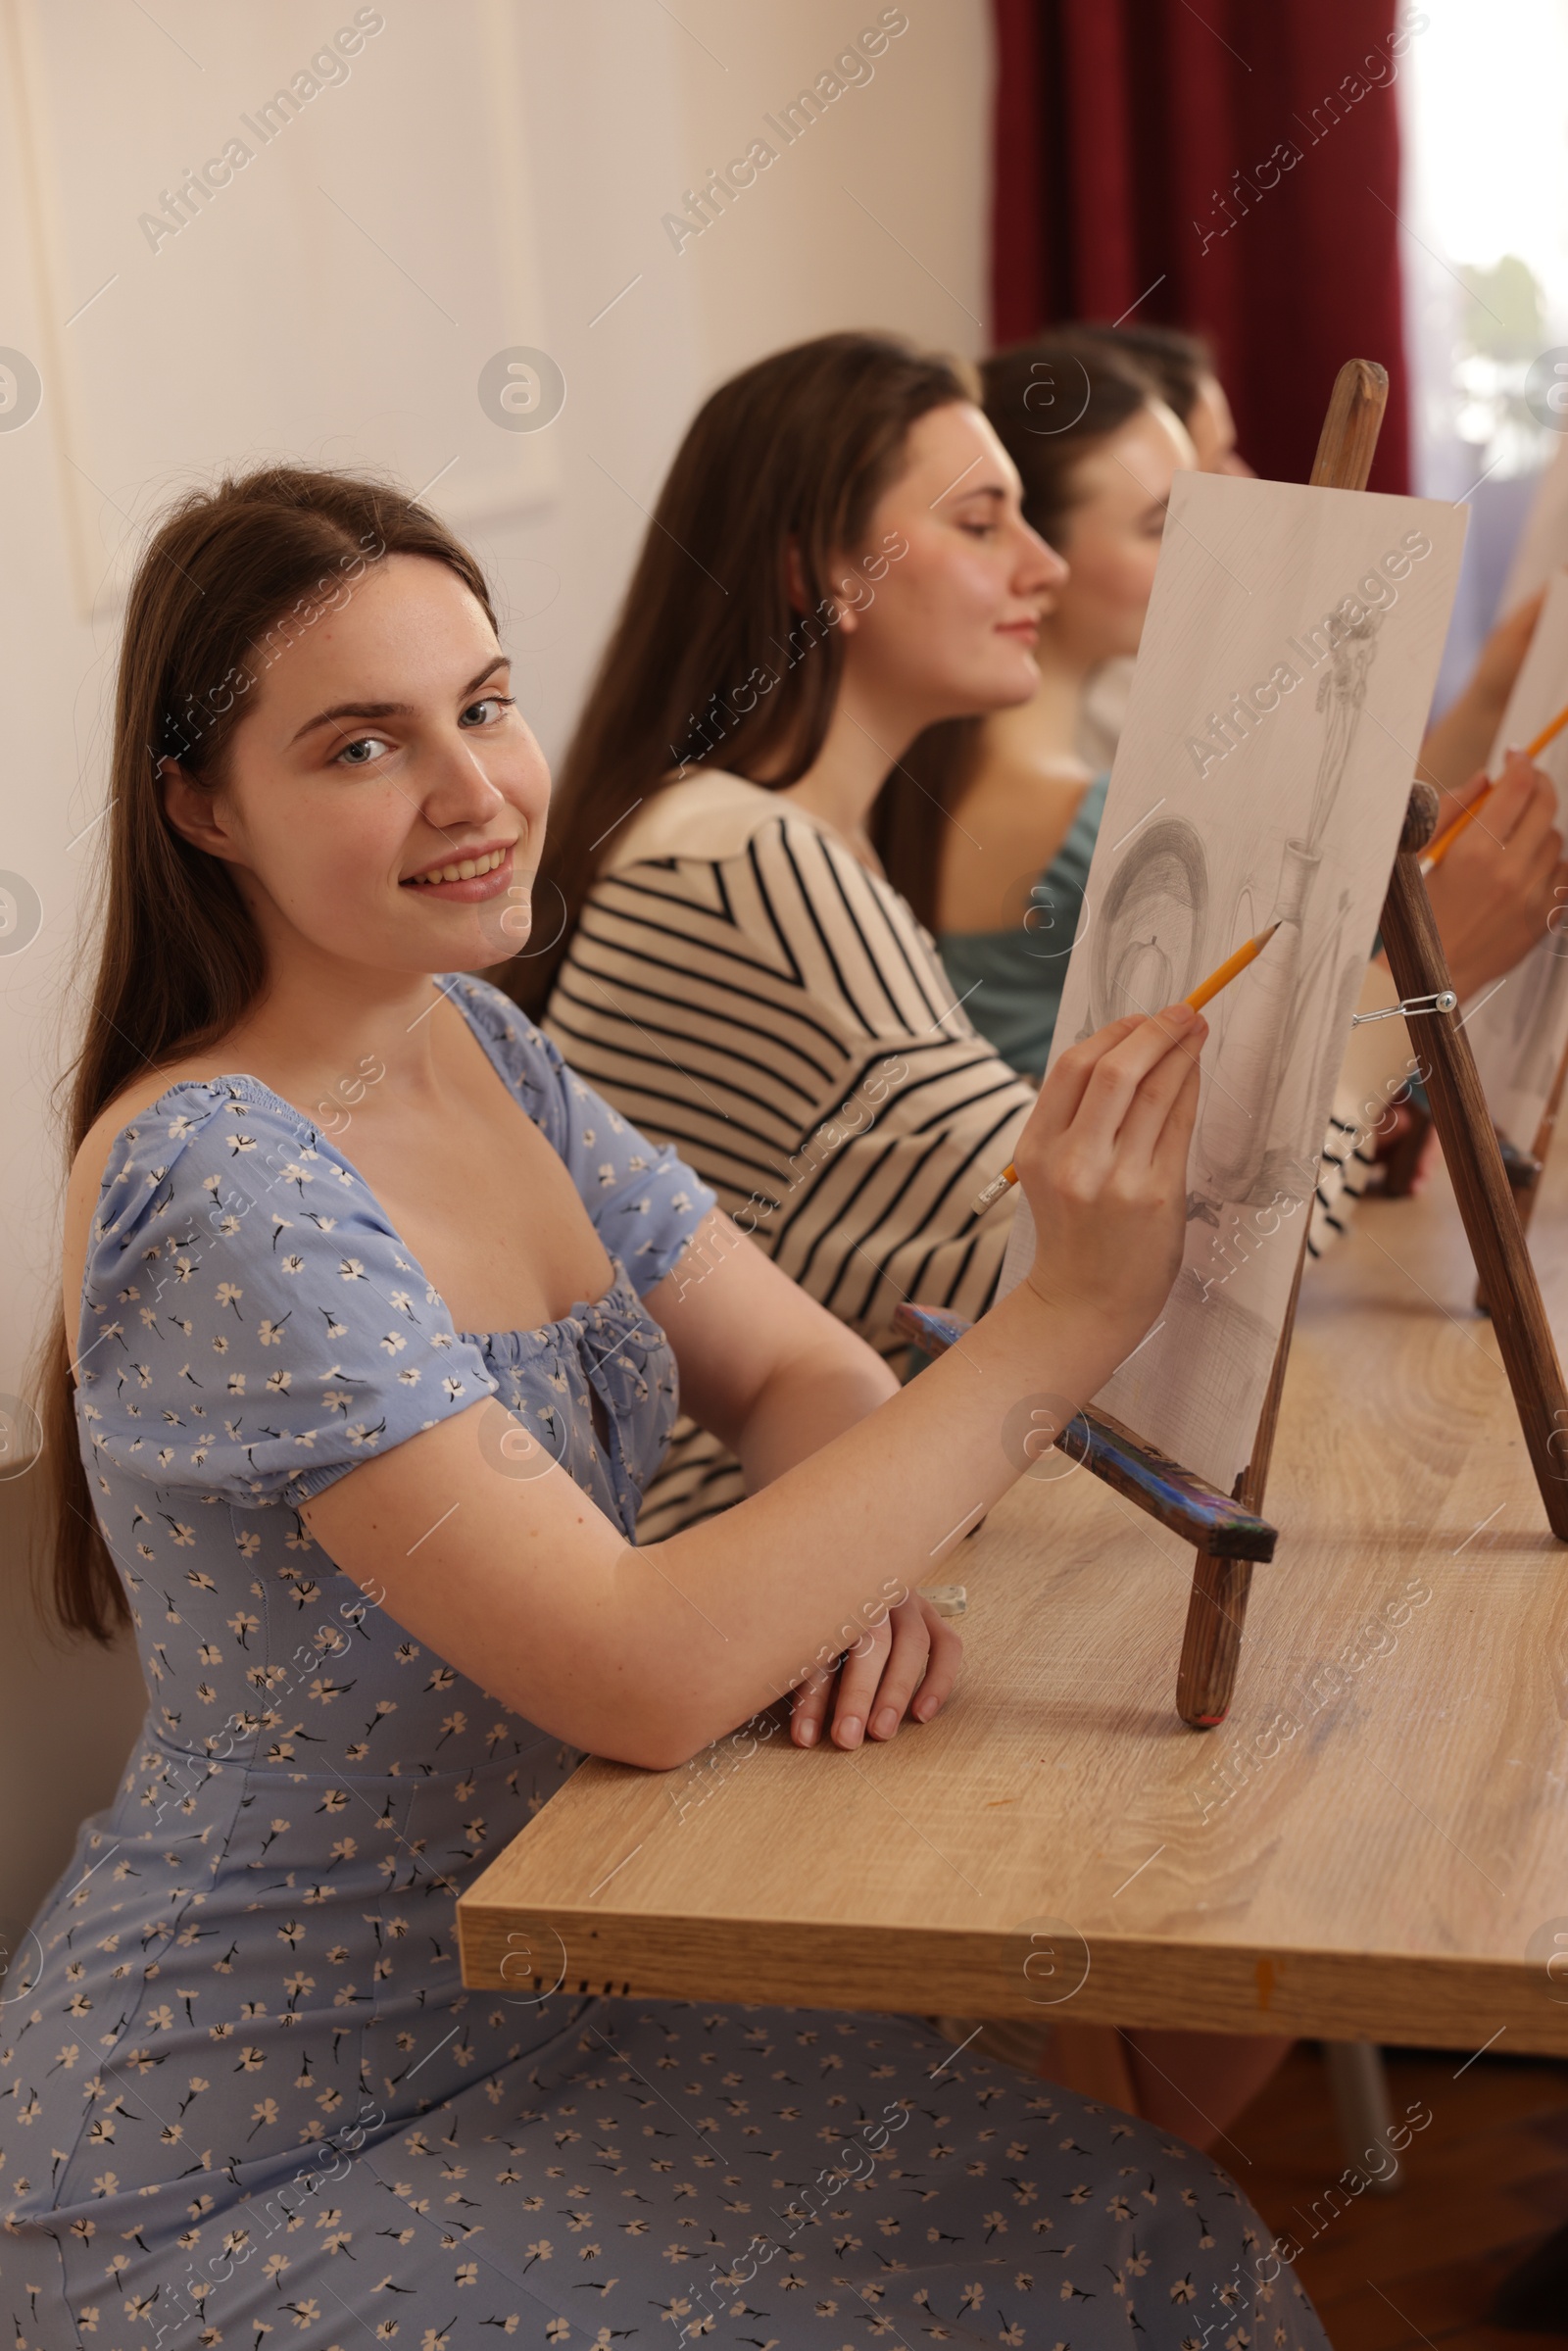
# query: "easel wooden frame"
[1229,1535]
[1526,1168]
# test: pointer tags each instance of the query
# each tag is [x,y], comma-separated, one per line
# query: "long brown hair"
[231,579]
[706,664]
[1177,358]
[1053,401]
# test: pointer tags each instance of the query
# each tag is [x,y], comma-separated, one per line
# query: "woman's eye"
[363,752]
[979,530]
[487,711]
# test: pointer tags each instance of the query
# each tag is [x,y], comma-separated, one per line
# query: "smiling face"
[383,802]
[950,626]
[1113,534]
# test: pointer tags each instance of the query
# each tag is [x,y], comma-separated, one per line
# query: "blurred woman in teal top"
[1011,981]
[990,832]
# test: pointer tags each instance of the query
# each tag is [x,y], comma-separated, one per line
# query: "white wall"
[495,173]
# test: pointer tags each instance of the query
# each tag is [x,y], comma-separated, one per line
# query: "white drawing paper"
[1277,711]
[1518,1031]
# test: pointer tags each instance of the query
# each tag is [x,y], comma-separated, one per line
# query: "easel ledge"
[1199,1513]
[1228,1533]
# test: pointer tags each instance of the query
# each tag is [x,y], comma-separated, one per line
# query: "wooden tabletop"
[1375,1845]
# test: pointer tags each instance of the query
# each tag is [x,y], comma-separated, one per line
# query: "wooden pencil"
[1450,833]
[1205,992]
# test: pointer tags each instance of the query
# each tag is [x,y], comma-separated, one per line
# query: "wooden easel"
[1526,1168]
[1228,1533]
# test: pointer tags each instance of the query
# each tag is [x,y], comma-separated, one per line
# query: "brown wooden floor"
[1486,2182]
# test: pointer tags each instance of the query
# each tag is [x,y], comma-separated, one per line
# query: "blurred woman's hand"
[1462,739]
[1495,889]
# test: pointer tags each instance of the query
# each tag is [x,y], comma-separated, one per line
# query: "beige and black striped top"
[742,987]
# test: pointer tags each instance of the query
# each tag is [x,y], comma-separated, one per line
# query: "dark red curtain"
[1226,164]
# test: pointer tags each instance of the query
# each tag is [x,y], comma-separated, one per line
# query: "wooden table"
[1374,1846]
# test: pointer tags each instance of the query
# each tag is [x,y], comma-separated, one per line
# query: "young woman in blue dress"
[374,1318]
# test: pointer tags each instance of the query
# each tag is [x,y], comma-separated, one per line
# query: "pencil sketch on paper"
[1233,805]
[1149,942]
[1519,1031]
[1245,1150]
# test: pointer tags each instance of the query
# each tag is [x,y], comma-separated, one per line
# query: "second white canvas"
[1519,1030]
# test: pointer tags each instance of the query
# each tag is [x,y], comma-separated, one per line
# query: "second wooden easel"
[1228,1533]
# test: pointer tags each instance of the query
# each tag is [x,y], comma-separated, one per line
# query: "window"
[1483,207]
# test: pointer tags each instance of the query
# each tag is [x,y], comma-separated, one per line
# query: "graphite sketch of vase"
[1236,1128]
[1235,1133]
[1340,697]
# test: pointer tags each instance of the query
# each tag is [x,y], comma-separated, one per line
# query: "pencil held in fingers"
[1103,1161]
[1531,752]
[997,1187]
[1548,734]
[1233,965]
[1202,993]
[1450,833]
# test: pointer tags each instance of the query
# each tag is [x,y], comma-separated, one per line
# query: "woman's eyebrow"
[388,709]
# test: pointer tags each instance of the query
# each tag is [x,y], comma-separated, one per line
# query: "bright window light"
[1484,248]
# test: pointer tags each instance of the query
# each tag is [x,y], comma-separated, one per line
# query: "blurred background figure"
[1182,366]
[987,825]
[987,808]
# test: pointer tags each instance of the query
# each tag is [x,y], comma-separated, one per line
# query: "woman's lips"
[472,892]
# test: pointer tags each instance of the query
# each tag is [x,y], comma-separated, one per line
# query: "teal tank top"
[1011,981]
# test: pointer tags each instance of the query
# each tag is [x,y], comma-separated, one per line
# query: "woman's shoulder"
[165,1135]
[708,814]
[174,1152]
[712,819]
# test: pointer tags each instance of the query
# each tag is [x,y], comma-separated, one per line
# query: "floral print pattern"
[244,2097]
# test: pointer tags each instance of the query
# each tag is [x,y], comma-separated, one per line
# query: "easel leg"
[1360,2084]
[1525,1173]
[1475,1166]
[1213,1646]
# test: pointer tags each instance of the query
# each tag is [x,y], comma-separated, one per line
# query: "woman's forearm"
[805,1405]
[1457,746]
[646,1654]
[804,1564]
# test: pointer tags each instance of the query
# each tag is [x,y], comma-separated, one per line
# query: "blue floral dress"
[244,2097]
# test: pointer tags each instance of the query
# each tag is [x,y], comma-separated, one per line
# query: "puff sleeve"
[252,1328]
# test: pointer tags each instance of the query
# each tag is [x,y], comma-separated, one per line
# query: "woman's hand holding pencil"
[1202,993]
[1496,885]
[1102,1162]
[1473,806]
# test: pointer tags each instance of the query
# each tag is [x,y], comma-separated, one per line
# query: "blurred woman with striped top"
[836,560]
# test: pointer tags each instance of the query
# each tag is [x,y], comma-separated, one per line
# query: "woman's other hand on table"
[905,1665]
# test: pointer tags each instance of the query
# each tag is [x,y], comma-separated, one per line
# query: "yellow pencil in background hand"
[1205,992]
[1450,833]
